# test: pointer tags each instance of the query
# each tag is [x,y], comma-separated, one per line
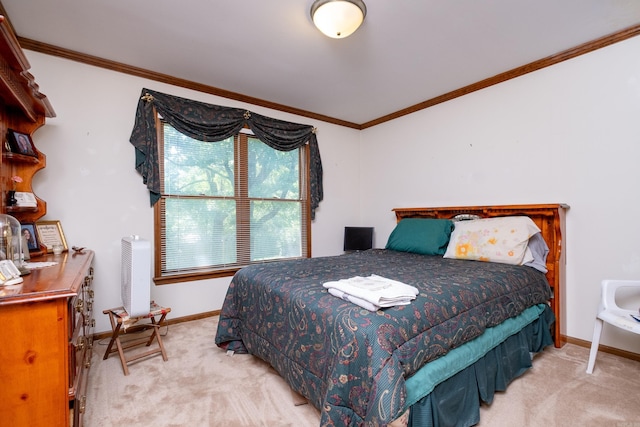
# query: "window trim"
[213,273]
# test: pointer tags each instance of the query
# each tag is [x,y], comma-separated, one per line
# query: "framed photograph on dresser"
[50,234]
[29,237]
[21,143]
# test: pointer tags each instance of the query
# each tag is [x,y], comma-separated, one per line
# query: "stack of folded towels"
[372,292]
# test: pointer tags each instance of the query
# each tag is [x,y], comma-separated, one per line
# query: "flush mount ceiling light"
[338,18]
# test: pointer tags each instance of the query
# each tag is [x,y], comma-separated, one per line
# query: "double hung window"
[227,204]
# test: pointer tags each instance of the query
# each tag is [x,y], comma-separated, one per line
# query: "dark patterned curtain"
[207,122]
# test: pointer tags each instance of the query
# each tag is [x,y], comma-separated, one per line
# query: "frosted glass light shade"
[338,18]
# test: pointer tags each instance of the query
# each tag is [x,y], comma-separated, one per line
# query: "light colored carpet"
[558,392]
[198,386]
[201,386]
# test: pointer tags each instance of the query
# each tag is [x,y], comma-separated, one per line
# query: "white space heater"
[136,275]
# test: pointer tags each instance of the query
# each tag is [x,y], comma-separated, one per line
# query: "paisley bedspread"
[352,363]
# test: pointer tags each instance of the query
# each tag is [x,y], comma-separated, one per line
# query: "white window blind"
[229,203]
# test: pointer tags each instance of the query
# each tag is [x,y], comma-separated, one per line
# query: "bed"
[468,332]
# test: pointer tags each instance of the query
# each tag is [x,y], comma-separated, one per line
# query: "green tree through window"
[228,204]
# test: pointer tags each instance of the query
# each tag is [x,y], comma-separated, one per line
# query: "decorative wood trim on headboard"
[551,220]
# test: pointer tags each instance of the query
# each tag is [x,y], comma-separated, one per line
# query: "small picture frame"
[50,234]
[29,237]
[21,143]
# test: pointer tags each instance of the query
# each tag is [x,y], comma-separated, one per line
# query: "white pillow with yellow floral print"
[502,239]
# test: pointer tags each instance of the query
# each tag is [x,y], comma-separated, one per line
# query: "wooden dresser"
[45,343]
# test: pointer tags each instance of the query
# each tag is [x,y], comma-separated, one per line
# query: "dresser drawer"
[80,398]
[77,348]
[80,348]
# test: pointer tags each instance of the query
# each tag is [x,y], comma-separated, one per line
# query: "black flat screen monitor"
[358,238]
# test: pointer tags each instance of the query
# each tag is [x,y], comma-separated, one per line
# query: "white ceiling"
[406,52]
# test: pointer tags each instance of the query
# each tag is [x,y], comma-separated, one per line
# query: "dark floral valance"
[207,122]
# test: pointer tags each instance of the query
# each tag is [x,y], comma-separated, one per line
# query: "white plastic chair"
[609,312]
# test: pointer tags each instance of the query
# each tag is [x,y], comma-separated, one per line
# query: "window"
[227,204]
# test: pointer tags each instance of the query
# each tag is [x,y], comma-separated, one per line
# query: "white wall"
[569,133]
[91,186]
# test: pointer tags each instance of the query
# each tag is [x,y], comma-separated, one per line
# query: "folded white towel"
[374,289]
[354,300]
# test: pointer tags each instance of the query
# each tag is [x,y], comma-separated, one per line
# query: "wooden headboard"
[550,218]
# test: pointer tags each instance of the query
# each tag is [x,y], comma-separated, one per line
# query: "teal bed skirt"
[448,391]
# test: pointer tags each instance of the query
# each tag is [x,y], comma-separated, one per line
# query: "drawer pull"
[87,281]
[81,343]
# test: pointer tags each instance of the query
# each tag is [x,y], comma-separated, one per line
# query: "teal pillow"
[425,236]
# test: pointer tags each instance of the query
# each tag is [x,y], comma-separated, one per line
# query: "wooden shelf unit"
[24,109]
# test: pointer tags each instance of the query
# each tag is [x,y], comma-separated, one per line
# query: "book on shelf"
[25,200]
